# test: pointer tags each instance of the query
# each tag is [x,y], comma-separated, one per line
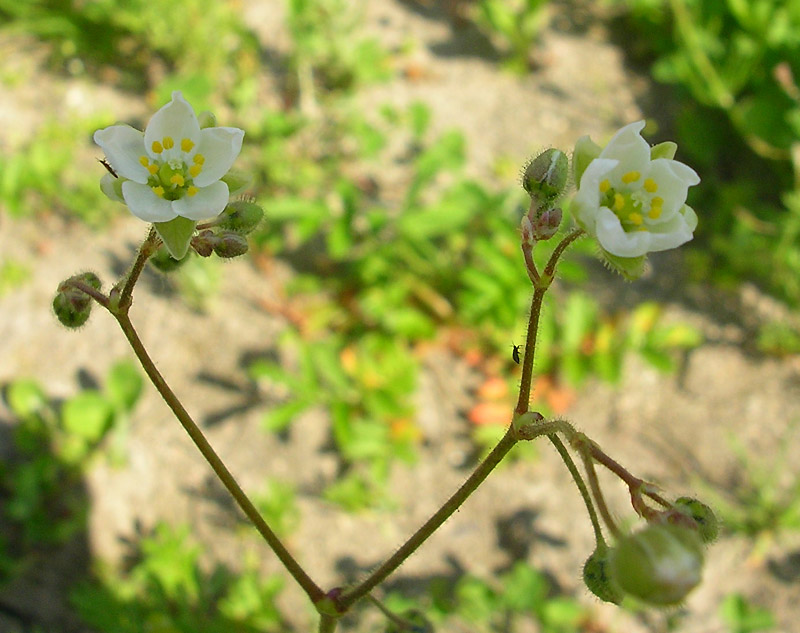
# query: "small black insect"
[108,166]
[515,353]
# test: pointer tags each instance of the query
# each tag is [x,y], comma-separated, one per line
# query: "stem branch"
[308,585]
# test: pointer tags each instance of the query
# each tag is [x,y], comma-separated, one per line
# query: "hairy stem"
[308,585]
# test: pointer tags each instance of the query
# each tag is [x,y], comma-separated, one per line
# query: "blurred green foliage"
[736,64]
[41,483]
[167,590]
[741,616]
[133,34]
[519,598]
[516,25]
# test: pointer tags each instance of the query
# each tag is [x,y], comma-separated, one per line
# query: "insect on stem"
[515,353]
[108,166]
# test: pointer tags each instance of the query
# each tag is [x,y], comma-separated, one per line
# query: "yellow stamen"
[194,170]
[191,191]
[159,191]
[168,142]
[605,186]
[619,202]
[157,147]
[631,176]
[187,144]
[654,213]
[199,159]
[153,169]
[650,185]
[657,201]
[177,179]
[636,218]
[144,161]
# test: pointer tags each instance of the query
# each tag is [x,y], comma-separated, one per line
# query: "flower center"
[632,201]
[171,177]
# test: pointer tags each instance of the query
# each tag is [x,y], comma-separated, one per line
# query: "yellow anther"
[168,142]
[631,176]
[650,185]
[157,147]
[619,202]
[159,191]
[187,144]
[635,218]
[605,186]
[657,201]
[199,159]
[144,161]
[191,191]
[177,179]
[654,213]
[153,169]
[194,170]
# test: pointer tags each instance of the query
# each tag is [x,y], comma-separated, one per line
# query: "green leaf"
[283,415]
[88,415]
[176,234]
[25,398]
[124,385]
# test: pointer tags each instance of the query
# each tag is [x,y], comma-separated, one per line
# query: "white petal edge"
[615,240]
[146,205]
[587,200]
[123,146]
[628,146]
[219,146]
[177,120]
[208,202]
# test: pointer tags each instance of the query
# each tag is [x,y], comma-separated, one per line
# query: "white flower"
[631,197]
[173,168]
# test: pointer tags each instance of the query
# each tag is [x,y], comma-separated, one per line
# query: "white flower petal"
[176,120]
[628,147]
[146,205]
[112,188]
[219,146]
[615,240]
[123,145]
[208,202]
[587,200]
[674,180]
[673,233]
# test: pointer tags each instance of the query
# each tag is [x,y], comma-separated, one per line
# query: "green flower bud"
[165,262]
[204,243]
[240,216]
[597,576]
[545,177]
[659,565]
[71,305]
[230,244]
[704,517]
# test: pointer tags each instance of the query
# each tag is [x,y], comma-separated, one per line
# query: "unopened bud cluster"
[545,180]
[226,236]
[659,564]
[72,305]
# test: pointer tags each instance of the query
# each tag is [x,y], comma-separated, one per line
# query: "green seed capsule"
[659,565]
[708,524]
[597,576]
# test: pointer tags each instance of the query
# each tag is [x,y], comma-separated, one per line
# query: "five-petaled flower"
[173,168]
[631,197]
